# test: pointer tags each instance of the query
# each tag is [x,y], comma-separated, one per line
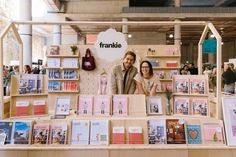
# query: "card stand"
[126,123]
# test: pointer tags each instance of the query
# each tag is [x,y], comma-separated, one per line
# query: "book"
[172,73]
[39,83]
[102,105]
[175,131]
[99,132]
[166,86]
[197,85]
[135,135]
[54,86]
[2,137]
[22,108]
[27,83]
[41,134]
[39,107]
[213,133]
[154,105]
[62,105]
[70,74]
[118,135]
[156,131]
[53,63]
[171,63]
[58,133]
[6,129]
[54,74]
[21,132]
[194,134]
[120,105]
[70,63]
[154,62]
[181,105]
[181,84]
[159,74]
[53,50]
[80,132]
[200,106]
[85,106]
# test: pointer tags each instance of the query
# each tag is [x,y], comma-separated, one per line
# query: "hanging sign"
[209,46]
[110,45]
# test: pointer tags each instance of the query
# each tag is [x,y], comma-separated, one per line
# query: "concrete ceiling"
[221,16]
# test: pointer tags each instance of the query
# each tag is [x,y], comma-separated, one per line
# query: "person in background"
[184,70]
[192,69]
[231,65]
[229,79]
[146,81]
[27,69]
[122,75]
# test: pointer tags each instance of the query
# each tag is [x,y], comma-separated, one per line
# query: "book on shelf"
[70,74]
[53,50]
[171,63]
[118,135]
[156,131]
[58,133]
[21,132]
[135,135]
[181,84]
[22,108]
[194,133]
[54,74]
[70,86]
[172,51]
[2,138]
[30,83]
[6,129]
[175,131]
[80,132]
[53,63]
[54,85]
[197,85]
[154,105]
[172,73]
[70,62]
[85,106]
[154,62]
[160,74]
[62,105]
[166,86]
[41,133]
[39,107]
[102,105]
[120,105]
[99,132]
[200,106]
[181,106]
[213,133]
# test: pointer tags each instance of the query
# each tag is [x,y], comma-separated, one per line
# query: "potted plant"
[168,104]
[74,49]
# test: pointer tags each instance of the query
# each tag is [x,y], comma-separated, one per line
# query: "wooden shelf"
[62,68]
[163,56]
[62,56]
[63,79]
[25,95]
[197,95]
[63,91]
[165,80]
[165,68]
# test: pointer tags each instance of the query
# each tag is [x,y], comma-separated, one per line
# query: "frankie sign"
[110,45]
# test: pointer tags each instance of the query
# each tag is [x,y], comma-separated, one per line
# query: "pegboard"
[89,79]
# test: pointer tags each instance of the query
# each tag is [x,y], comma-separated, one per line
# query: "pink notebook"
[120,105]
[102,105]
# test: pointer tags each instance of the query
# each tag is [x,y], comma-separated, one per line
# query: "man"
[122,75]
[192,69]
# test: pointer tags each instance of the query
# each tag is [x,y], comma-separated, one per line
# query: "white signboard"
[110,45]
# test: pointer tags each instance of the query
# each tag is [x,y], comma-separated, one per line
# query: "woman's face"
[145,69]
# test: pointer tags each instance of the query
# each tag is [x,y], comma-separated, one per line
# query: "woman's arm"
[153,90]
[140,88]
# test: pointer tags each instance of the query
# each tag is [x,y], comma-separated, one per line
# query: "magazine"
[197,86]
[181,84]
[120,105]
[200,106]
[62,105]
[85,105]
[181,105]
[80,132]
[41,134]
[156,131]
[58,133]
[6,131]
[21,133]
[175,131]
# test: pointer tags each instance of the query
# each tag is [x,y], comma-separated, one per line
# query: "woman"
[229,80]
[27,69]
[146,81]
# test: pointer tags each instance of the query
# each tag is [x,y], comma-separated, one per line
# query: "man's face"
[128,61]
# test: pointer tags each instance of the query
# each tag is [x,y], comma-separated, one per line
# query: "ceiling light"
[129,35]
[212,36]
[222,43]
[171,36]
[221,28]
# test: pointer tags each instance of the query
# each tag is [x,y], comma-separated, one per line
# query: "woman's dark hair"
[131,53]
[149,65]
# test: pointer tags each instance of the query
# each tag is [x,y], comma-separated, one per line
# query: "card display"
[213,133]
[85,105]
[62,106]
[154,105]
[120,105]
[157,131]
[80,132]
[102,105]
[175,131]
[194,134]
[58,133]
[41,134]
[22,132]
[99,132]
